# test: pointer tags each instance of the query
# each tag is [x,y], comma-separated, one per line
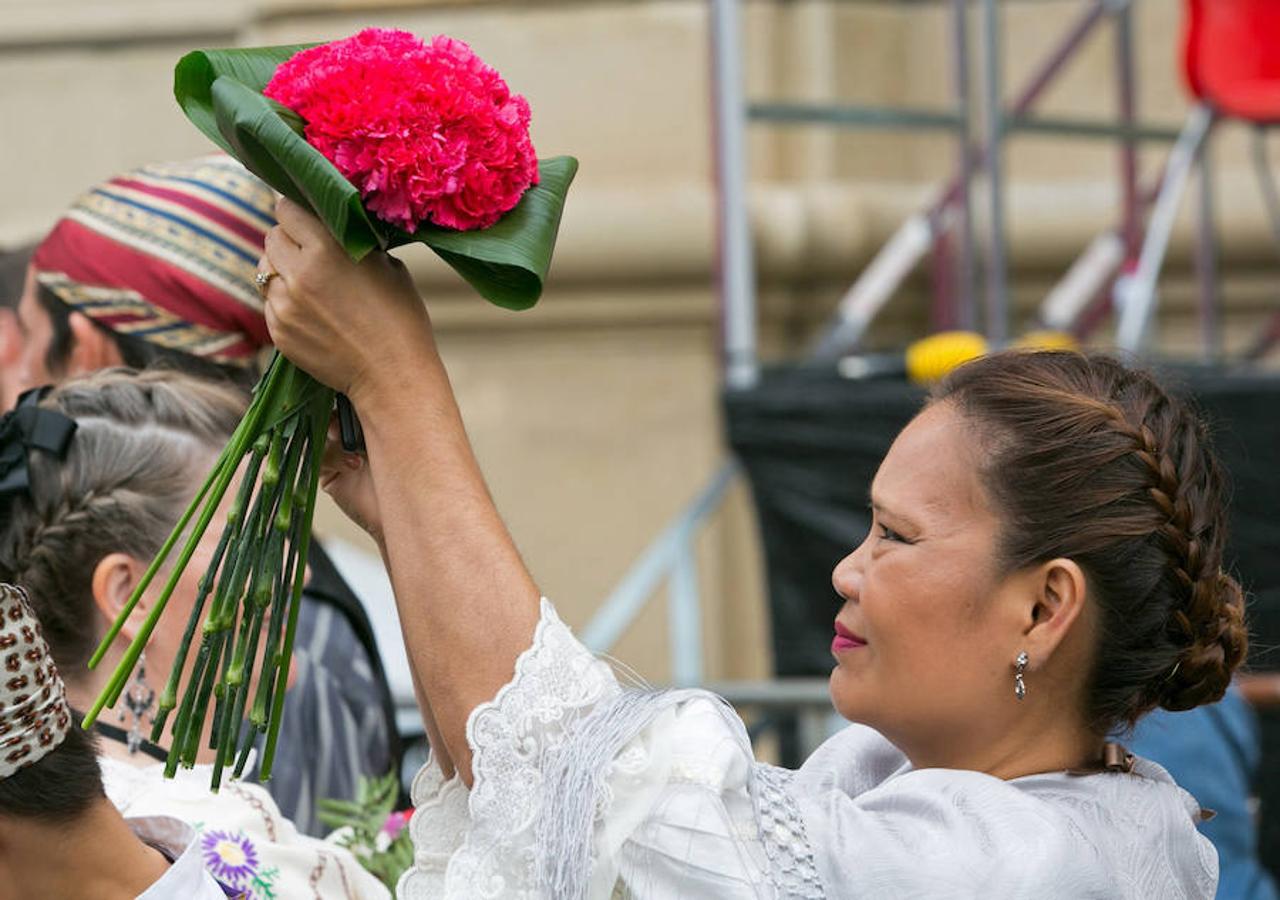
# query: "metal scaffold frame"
[1077,302]
[1071,305]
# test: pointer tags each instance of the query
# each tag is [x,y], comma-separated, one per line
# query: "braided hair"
[143,442]
[1091,460]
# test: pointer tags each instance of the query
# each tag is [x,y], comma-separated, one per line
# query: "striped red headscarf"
[167,253]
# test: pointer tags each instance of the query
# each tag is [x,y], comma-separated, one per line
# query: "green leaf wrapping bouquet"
[388,140]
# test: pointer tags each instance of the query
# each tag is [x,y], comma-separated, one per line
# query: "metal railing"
[670,559]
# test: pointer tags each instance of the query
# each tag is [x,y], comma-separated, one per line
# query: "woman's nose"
[846,577]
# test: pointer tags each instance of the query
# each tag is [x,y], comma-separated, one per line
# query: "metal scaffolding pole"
[1126,77]
[997,283]
[967,318]
[1138,291]
[737,268]
[1206,261]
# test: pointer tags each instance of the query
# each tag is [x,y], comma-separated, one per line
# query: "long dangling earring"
[1020,686]
[138,701]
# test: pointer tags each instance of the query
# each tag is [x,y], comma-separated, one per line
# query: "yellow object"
[930,359]
[1046,339]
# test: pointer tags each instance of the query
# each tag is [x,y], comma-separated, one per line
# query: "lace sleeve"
[557,682]
[439,824]
[582,789]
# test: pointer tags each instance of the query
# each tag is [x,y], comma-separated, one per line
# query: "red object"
[426,132]
[167,254]
[1231,57]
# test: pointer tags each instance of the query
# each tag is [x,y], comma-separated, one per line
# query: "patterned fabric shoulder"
[782,833]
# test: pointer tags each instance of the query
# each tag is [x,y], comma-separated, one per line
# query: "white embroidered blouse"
[585,790]
[242,838]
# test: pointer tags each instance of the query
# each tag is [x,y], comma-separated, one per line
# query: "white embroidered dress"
[585,790]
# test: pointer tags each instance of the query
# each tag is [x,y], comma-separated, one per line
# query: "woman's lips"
[846,640]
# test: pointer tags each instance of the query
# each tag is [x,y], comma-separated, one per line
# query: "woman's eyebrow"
[876,505]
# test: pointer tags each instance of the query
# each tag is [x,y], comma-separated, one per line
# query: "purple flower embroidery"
[230,858]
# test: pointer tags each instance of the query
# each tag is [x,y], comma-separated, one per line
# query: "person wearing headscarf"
[156,264]
[155,267]
[14,264]
[52,799]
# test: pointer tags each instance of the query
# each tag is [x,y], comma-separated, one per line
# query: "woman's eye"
[889,534]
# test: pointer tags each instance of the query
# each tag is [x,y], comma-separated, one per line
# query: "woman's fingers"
[346,478]
[343,322]
[336,459]
[300,225]
[282,254]
[275,299]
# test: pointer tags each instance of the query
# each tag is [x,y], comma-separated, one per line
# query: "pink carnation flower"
[426,132]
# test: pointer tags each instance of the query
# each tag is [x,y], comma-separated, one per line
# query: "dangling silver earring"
[1020,686]
[138,700]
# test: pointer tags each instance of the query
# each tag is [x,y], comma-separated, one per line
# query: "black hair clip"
[25,426]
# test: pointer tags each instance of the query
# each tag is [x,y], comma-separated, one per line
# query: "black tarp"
[810,442]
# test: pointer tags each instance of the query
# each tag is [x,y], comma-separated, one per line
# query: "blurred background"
[742,165]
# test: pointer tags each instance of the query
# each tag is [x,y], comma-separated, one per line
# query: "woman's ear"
[1058,603]
[92,348]
[114,578]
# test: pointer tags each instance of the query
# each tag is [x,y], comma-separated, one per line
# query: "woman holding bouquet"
[1044,565]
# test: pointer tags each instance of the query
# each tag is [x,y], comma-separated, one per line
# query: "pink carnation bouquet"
[389,140]
[426,131]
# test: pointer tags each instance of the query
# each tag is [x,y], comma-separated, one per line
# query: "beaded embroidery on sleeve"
[782,832]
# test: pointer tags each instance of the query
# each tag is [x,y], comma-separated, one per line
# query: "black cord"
[120,736]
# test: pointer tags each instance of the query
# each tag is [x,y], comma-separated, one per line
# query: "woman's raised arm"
[467,604]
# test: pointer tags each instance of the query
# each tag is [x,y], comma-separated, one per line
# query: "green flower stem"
[179,731]
[318,423]
[235,518]
[238,686]
[250,737]
[257,572]
[261,573]
[169,696]
[195,720]
[269,592]
[271,473]
[269,547]
[227,635]
[217,625]
[249,557]
[220,688]
[240,438]
[228,596]
[121,675]
[271,655]
[164,551]
[210,494]
[206,664]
